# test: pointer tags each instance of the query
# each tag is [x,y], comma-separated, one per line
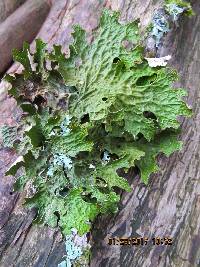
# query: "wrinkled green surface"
[119,93]
[100,110]
[73,210]
[165,143]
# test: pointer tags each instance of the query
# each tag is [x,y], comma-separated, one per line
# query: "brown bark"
[7,7]
[168,206]
[22,25]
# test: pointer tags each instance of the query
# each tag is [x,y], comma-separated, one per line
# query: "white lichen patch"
[91,166]
[160,61]
[106,157]
[65,130]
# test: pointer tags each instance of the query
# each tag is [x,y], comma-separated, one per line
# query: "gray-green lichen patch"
[160,26]
[8,135]
[122,114]
[175,8]
[163,18]
[175,11]
[77,250]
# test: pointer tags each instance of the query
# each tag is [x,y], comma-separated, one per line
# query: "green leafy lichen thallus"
[100,110]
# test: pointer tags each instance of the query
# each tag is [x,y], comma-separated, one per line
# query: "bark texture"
[8,6]
[169,206]
[22,25]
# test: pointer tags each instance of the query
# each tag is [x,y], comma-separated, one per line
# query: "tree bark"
[168,206]
[7,7]
[22,25]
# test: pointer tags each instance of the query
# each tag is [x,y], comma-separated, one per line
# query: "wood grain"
[170,205]
[7,7]
[22,25]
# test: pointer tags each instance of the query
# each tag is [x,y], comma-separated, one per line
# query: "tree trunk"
[167,207]
[22,25]
[7,7]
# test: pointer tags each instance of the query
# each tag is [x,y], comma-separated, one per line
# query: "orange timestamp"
[140,241]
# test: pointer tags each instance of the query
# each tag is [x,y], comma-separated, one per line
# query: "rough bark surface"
[169,206]
[8,6]
[22,25]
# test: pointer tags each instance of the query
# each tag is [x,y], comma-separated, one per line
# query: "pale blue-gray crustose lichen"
[161,20]
[175,11]
[75,247]
[60,159]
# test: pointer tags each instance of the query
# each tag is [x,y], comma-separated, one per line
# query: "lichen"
[160,26]
[177,7]
[8,135]
[123,113]
[59,160]
[77,250]
[65,130]
[163,17]
[158,62]
[106,157]
[175,11]
[83,260]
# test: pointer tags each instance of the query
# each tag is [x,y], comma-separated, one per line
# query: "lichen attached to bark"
[100,110]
